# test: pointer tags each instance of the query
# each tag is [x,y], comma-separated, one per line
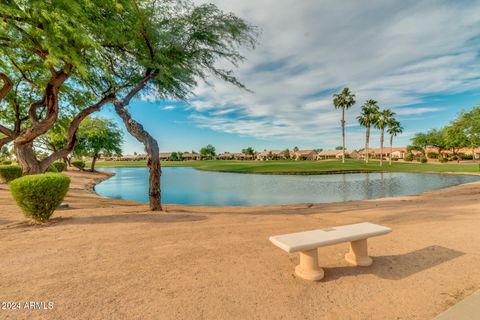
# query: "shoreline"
[105,257]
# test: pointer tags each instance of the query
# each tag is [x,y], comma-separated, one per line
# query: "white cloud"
[168,107]
[396,52]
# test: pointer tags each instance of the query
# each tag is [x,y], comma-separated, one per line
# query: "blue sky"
[419,58]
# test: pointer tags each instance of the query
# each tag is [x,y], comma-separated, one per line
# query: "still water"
[189,186]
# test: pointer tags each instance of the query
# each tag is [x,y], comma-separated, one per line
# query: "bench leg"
[358,254]
[308,268]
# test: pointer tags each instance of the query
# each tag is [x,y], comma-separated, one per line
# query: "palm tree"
[384,118]
[394,128]
[367,118]
[345,99]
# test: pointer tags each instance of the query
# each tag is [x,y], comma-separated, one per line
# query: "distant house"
[242,156]
[191,156]
[165,156]
[336,154]
[270,155]
[373,153]
[225,156]
[304,155]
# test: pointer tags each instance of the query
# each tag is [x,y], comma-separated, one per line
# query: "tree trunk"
[153,157]
[381,146]
[367,141]
[391,149]
[27,159]
[94,160]
[343,135]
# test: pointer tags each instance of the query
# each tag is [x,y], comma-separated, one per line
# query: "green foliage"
[422,159]
[98,136]
[344,100]
[432,155]
[39,195]
[60,166]
[208,152]
[52,168]
[442,159]
[79,164]
[369,114]
[176,156]
[7,162]
[408,157]
[9,173]
[249,151]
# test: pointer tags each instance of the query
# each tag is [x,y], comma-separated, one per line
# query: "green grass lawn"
[302,167]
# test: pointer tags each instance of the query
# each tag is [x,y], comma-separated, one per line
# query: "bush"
[52,168]
[9,173]
[39,195]
[432,155]
[442,160]
[423,159]
[466,156]
[7,162]
[394,158]
[79,164]
[60,166]
[408,157]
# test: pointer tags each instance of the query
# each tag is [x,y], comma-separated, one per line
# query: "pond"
[186,185]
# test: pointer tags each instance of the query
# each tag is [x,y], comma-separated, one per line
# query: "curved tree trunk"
[343,135]
[153,157]
[381,146]
[94,160]
[367,141]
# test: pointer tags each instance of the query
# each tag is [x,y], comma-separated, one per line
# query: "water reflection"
[189,186]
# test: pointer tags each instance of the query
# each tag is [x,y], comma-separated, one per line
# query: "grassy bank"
[302,167]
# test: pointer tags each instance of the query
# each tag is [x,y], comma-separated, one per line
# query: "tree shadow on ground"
[107,219]
[397,267]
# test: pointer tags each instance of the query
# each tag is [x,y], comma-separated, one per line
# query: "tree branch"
[7,85]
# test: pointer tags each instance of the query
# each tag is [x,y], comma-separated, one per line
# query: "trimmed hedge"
[79,164]
[60,166]
[39,195]
[9,173]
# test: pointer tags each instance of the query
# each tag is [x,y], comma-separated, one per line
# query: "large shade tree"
[367,118]
[58,56]
[343,100]
[385,116]
[54,59]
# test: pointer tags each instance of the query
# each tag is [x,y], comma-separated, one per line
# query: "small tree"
[97,136]
[208,152]
[249,151]
[343,100]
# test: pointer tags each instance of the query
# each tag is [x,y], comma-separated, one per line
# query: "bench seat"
[307,242]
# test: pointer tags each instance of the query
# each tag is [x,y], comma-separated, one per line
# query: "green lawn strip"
[303,167]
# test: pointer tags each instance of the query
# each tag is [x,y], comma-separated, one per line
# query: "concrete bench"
[307,243]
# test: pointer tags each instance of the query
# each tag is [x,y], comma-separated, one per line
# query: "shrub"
[423,159]
[79,164]
[432,155]
[52,168]
[7,162]
[466,156]
[394,158]
[442,160]
[9,173]
[60,166]
[39,195]
[408,157]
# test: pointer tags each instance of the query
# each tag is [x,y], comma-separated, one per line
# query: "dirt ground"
[113,259]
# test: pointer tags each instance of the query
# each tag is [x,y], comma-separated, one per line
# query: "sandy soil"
[111,259]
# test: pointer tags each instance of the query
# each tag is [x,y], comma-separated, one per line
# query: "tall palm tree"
[394,129]
[344,100]
[367,118]
[384,118]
